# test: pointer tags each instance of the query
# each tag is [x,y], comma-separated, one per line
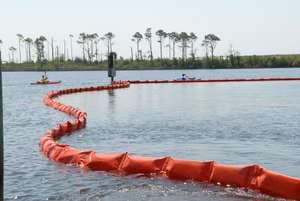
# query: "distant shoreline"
[150,69]
[223,62]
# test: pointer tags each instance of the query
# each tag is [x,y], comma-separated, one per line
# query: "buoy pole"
[111,66]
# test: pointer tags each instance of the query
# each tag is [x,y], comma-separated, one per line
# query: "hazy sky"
[251,26]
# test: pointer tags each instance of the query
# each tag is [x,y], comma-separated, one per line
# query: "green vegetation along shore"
[142,59]
[231,61]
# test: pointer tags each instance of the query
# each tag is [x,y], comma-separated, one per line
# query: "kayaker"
[44,79]
[184,77]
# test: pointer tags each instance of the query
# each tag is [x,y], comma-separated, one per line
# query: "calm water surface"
[231,123]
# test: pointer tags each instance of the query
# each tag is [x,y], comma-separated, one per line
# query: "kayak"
[49,82]
[186,79]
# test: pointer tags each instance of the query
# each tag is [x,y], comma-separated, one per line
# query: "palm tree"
[161,36]
[169,45]
[92,38]
[71,41]
[184,39]
[64,55]
[12,49]
[205,45]
[0,44]
[87,42]
[174,38]
[107,39]
[148,37]
[211,41]
[39,45]
[52,48]
[81,42]
[96,49]
[193,38]
[131,52]
[137,37]
[28,42]
[20,37]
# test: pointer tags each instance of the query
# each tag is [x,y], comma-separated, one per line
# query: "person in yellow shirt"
[44,79]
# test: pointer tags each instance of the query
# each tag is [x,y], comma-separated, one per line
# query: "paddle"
[46,78]
[190,78]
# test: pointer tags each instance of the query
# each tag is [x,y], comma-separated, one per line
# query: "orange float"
[250,177]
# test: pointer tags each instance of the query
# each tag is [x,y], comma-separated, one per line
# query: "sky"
[253,27]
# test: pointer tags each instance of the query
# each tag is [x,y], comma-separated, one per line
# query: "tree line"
[57,58]
[87,42]
[183,41]
[89,45]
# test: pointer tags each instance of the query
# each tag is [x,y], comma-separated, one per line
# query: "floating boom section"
[249,176]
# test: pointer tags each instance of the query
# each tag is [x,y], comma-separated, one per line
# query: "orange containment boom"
[250,177]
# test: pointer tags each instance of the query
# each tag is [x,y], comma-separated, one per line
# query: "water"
[232,123]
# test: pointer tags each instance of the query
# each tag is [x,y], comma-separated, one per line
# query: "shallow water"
[231,123]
